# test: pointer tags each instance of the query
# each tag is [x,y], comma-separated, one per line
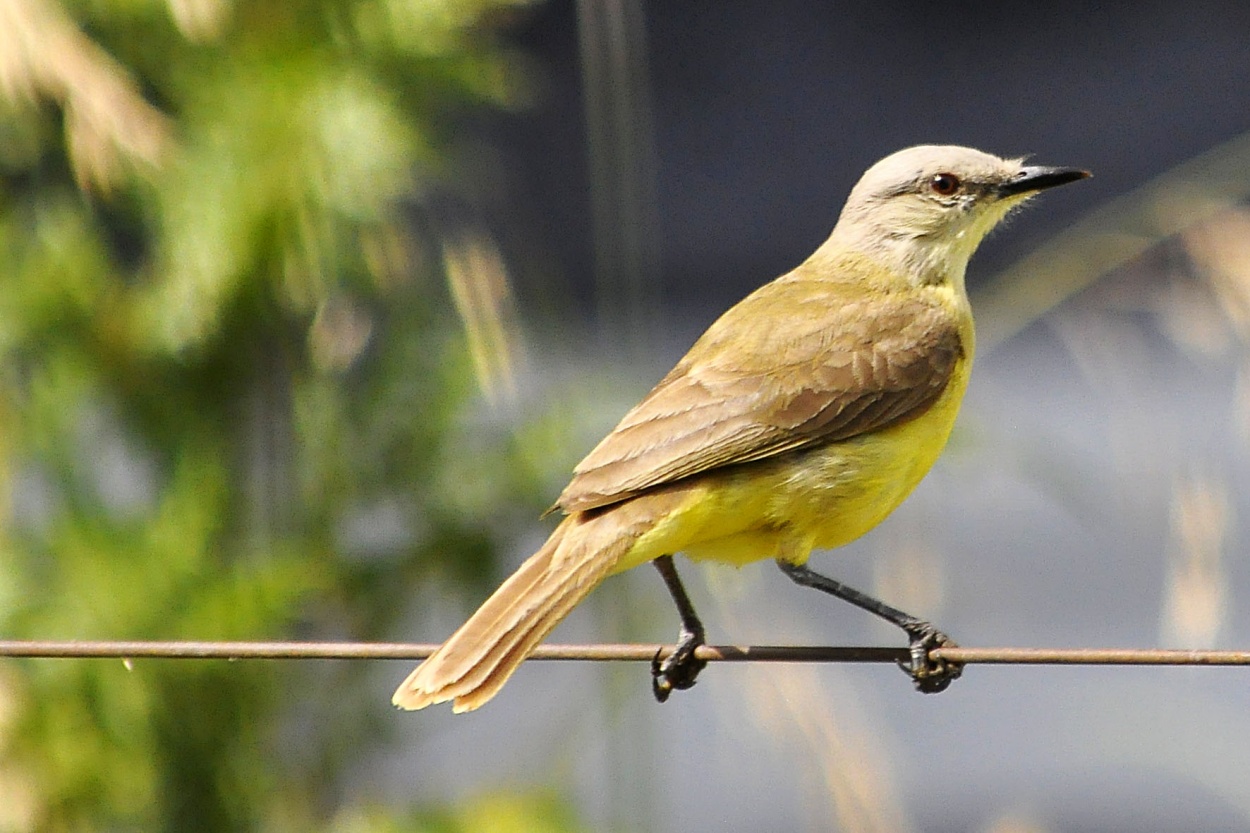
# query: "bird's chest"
[834,494]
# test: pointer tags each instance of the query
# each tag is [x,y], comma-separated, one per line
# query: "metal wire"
[616,653]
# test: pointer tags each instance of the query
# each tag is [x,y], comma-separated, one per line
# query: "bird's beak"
[1038,178]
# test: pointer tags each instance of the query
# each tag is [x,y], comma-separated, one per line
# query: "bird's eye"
[945,184]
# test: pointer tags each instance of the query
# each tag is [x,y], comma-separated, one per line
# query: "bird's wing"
[795,365]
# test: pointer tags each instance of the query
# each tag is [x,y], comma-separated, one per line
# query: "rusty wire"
[616,653]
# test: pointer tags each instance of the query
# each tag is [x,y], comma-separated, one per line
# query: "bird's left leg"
[929,675]
[680,668]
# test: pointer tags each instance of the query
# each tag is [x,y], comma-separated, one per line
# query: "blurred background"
[309,307]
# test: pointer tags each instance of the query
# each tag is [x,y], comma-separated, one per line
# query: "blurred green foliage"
[493,812]
[233,393]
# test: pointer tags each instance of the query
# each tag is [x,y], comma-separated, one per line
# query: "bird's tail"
[474,663]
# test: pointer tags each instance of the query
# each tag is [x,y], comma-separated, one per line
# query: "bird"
[798,421]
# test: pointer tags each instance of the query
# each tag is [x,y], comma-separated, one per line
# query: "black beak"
[1038,178]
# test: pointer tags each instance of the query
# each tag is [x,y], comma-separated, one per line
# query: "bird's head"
[924,210]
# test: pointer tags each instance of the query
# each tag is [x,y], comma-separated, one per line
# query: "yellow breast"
[819,498]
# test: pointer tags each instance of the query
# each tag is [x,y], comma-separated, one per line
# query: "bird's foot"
[929,675]
[680,668]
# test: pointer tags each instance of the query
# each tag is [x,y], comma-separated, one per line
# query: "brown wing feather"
[758,384]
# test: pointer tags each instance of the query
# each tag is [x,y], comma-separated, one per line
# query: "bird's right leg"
[929,675]
[680,668]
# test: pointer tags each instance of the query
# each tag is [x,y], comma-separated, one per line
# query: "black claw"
[929,675]
[679,670]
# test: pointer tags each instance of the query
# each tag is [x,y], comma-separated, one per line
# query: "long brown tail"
[474,663]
